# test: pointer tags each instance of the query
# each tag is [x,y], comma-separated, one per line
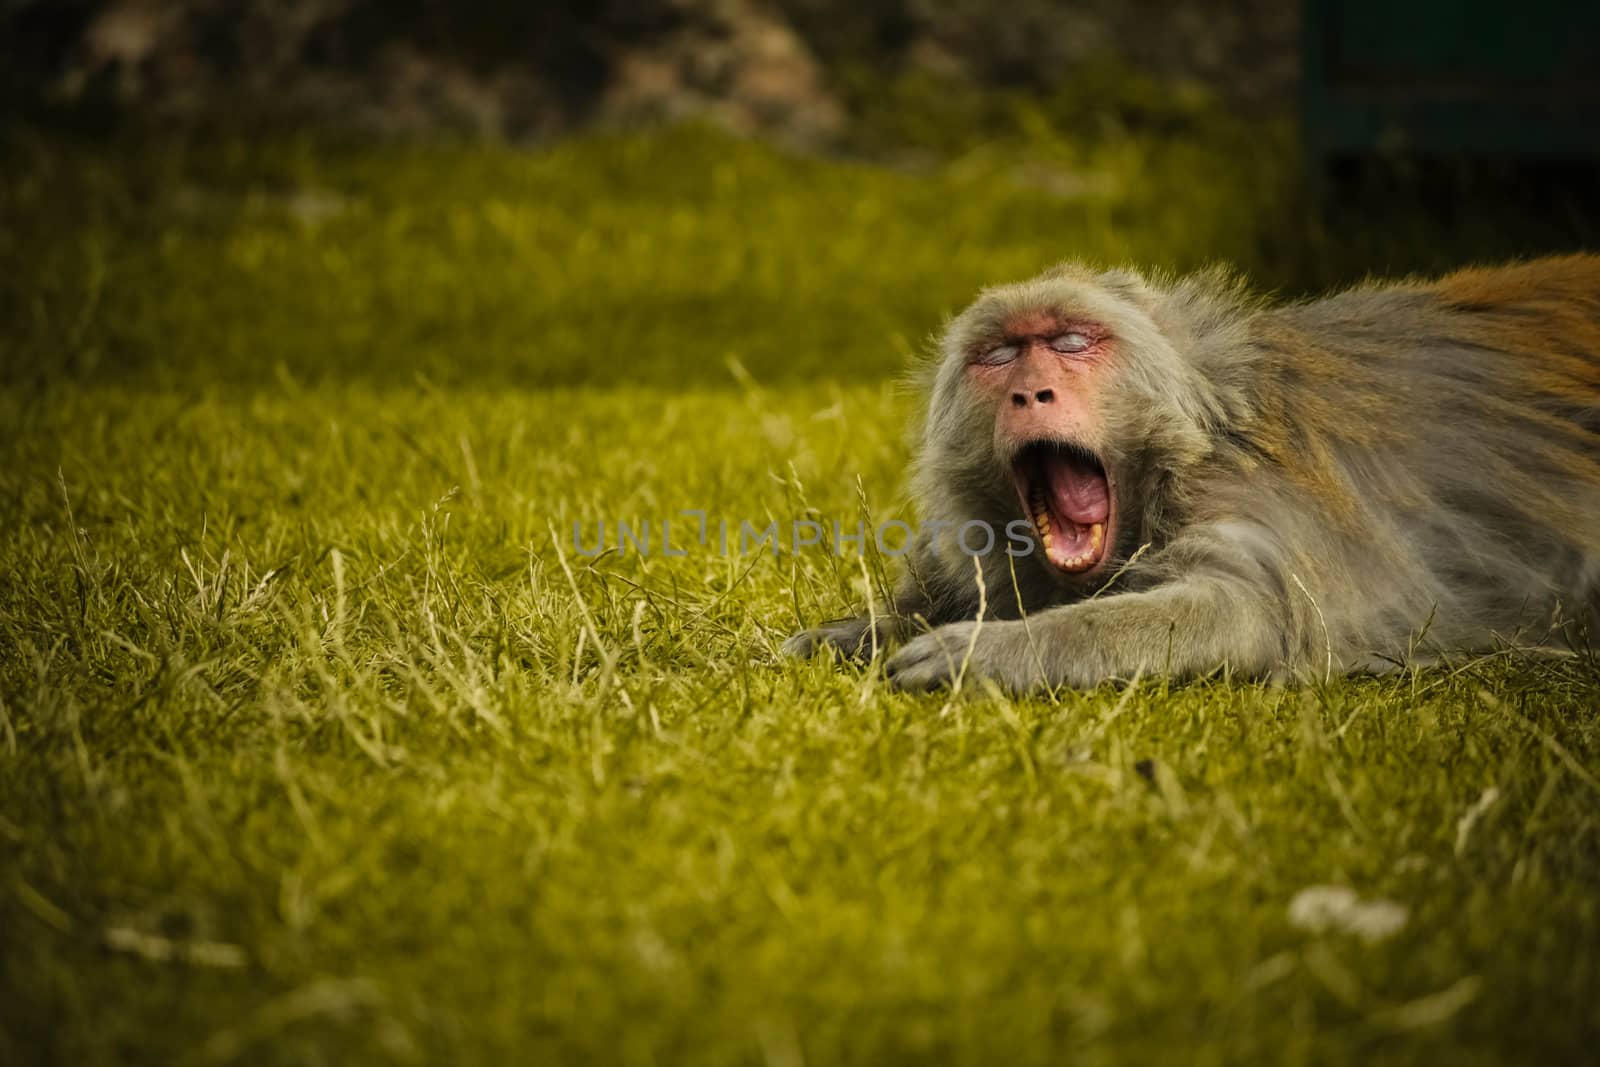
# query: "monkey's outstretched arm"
[1181,629]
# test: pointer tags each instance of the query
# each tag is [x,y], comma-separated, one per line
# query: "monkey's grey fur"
[1379,476]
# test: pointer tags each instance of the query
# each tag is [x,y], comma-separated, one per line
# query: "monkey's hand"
[991,649]
[843,638]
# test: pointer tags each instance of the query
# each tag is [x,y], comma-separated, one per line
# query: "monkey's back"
[1451,431]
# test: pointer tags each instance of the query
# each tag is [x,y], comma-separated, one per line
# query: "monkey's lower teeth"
[1041,522]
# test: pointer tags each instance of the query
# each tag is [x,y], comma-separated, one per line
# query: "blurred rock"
[735,62]
[729,60]
[796,69]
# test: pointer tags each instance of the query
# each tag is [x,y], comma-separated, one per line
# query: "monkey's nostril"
[1044,396]
[1019,400]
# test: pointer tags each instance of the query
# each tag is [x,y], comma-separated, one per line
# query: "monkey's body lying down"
[1350,482]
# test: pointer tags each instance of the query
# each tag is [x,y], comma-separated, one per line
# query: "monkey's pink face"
[1041,377]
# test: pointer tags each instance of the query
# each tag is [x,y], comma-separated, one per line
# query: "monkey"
[1211,482]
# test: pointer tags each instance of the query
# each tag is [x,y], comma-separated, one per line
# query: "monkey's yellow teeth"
[1041,516]
[1088,540]
[1083,560]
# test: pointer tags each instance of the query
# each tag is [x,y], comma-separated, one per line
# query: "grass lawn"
[320,742]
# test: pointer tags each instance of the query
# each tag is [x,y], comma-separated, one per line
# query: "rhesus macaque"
[1211,483]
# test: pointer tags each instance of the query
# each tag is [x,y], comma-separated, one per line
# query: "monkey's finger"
[803,645]
[926,663]
[843,639]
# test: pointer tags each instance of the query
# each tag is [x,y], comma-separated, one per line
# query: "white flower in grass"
[1324,908]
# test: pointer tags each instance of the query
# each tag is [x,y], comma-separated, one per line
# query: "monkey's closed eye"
[993,357]
[1069,343]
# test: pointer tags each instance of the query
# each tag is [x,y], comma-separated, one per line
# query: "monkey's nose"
[1043,396]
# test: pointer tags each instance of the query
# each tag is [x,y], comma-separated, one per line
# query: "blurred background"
[465,190]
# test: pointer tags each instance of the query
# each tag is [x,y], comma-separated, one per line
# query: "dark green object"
[1511,78]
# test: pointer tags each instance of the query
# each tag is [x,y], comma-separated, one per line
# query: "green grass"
[319,743]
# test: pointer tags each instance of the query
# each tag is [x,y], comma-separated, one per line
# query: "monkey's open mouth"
[1064,489]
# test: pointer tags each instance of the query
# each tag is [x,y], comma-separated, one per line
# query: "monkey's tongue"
[1077,492]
